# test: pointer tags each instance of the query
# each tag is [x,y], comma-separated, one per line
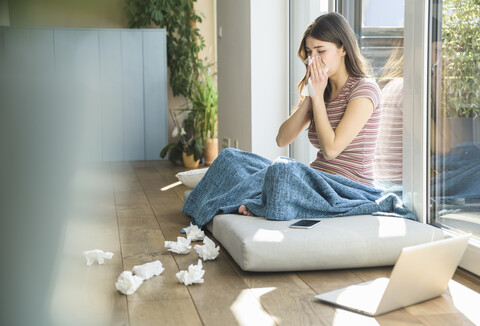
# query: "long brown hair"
[394,66]
[334,28]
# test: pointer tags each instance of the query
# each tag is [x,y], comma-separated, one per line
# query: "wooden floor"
[121,207]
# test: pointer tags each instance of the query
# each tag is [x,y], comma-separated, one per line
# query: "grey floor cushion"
[257,244]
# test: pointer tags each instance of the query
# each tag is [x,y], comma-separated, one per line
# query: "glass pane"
[455,110]
[382,44]
[383,13]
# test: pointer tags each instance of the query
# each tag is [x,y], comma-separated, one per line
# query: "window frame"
[416,94]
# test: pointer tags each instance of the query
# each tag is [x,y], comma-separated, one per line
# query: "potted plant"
[184,41]
[188,149]
[187,71]
[461,71]
[204,100]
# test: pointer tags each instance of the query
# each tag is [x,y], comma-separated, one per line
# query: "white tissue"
[97,256]
[193,275]
[182,246]
[128,283]
[308,90]
[148,270]
[208,251]
[194,233]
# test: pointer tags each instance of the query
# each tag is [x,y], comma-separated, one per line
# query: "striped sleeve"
[367,88]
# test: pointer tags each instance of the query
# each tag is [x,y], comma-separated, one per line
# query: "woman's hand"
[298,121]
[318,75]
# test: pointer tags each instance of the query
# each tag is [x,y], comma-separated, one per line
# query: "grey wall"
[109,86]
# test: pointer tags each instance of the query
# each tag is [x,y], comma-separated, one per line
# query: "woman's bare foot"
[243,210]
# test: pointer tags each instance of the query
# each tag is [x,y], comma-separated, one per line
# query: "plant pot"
[189,162]
[461,130]
[210,152]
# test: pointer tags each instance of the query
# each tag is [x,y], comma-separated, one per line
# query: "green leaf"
[166,149]
[184,41]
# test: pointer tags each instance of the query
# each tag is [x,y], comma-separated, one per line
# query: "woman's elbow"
[330,155]
[280,141]
[282,136]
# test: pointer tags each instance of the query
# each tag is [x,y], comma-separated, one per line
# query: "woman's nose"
[309,59]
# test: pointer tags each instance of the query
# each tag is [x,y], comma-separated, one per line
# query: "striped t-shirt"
[356,160]
[388,160]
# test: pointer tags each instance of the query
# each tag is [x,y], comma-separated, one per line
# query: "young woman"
[342,113]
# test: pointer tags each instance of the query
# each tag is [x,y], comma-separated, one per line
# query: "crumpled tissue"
[208,251]
[308,91]
[194,233]
[193,275]
[181,246]
[97,256]
[148,270]
[128,283]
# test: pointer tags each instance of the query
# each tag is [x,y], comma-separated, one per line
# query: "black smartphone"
[305,224]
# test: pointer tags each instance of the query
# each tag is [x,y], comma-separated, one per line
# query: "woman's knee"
[227,154]
[281,166]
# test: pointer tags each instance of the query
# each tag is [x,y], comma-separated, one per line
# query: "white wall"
[302,13]
[233,53]
[252,73]
[269,55]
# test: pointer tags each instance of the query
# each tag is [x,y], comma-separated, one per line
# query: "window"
[455,115]
[428,53]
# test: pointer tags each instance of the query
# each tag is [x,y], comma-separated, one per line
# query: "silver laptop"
[421,272]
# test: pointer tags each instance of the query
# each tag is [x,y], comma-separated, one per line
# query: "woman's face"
[329,53]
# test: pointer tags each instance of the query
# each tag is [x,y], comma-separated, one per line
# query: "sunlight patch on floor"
[344,317]
[261,291]
[465,300]
[170,186]
[248,310]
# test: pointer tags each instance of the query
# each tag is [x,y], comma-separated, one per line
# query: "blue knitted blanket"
[282,190]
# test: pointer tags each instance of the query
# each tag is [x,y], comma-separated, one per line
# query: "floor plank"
[131,208]
[224,297]
[324,281]
[142,241]
[172,312]
[286,297]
